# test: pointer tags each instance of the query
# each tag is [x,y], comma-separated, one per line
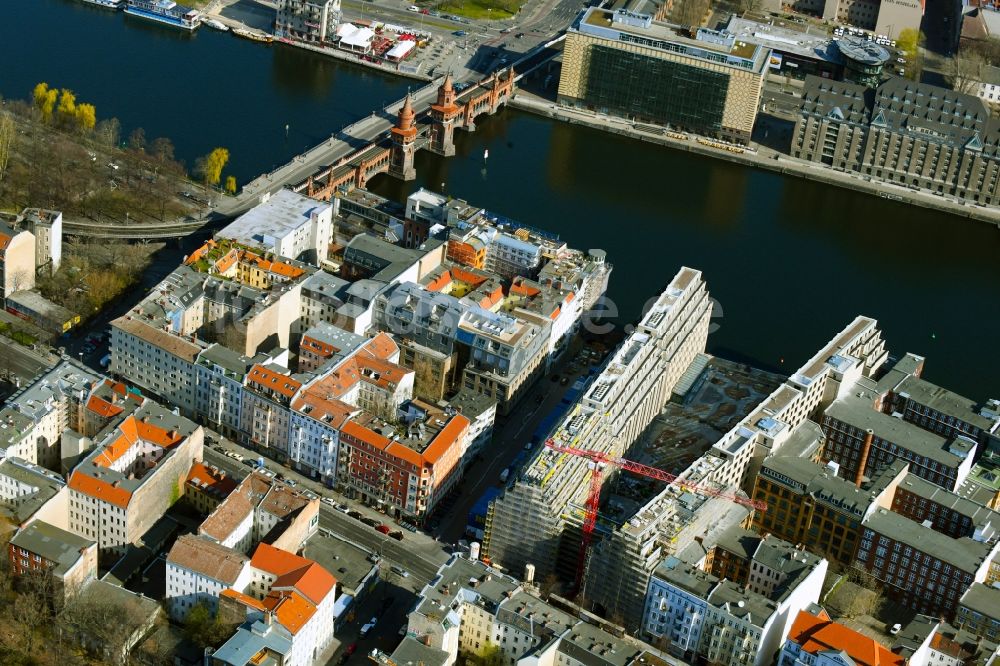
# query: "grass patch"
[484,10]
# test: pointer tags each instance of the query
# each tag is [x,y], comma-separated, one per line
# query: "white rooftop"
[283,213]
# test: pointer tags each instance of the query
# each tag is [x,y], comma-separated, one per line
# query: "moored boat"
[165,11]
[215,24]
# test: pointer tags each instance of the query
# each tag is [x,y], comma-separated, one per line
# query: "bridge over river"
[350,157]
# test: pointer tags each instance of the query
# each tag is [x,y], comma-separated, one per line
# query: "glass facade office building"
[660,91]
[627,65]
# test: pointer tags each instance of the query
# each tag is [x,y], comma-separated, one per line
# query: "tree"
[212,165]
[204,629]
[48,104]
[163,149]
[963,71]
[40,94]
[7,132]
[86,116]
[909,40]
[137,140]
[67,106]
[108,132]
[231,184]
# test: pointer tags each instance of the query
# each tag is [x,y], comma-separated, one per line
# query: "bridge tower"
[404,136]
[444,113]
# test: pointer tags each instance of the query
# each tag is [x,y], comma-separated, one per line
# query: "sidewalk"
[757,156]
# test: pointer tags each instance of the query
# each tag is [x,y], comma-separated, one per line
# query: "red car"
[350,649]
[383,529]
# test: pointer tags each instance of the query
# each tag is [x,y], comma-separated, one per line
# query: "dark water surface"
[790,261]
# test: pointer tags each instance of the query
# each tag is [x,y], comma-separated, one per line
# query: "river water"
[790,262]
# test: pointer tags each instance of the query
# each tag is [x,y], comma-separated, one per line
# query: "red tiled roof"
[292,571]
[818,634]
[216,480]
[291,609]
[274,381]
[447,438]
[99,489]
[244,599]
[102,407]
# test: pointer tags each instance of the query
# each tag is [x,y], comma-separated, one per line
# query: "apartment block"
[29,492]
[17,260]
[46,226]
[198,569]
[325,343]
[625,63]
[929,641]
[132,477]
[979,612]
[856,352]
[219,376]
[503,353]
[809,504]
[41,547]
[307,20]
[946,512]
[405,469]
[265,412]
[862,440]
[289,591]
[816,640]
[206,487]
[937,409]
[68,396]
[919,567]
[738,605]
[325,299]
[262,509]
[526,524]
[155,360]
[470,605]
[905,133]
[287,224]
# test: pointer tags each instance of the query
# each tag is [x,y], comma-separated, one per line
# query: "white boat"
[107,4]
[164,11]
[215,25]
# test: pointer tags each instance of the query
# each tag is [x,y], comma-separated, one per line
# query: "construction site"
[691,430]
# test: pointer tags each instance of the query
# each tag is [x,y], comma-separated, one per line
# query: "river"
[790,262]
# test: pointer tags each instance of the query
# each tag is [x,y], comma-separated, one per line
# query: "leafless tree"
[964,71]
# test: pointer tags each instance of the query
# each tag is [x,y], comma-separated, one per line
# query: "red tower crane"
[597,459]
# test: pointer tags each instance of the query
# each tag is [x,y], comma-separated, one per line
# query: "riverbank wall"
[759,157]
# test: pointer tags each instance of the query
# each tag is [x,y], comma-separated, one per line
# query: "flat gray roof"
[860,413]
[978,514]
[54,544]
[412,651]
[983,599]
[964,553]
[942,400]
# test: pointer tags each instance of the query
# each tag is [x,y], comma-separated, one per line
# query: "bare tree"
[964,71]
[7,132]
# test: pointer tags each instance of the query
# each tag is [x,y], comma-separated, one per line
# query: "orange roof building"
[831,644]
[408,471]
[132,477]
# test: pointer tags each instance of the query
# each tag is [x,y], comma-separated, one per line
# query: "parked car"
[371,522]
[413,8]
[328,501]
[384,529]
[519,35]
[354,514]
[368,627]
[460,33]
[397,535]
